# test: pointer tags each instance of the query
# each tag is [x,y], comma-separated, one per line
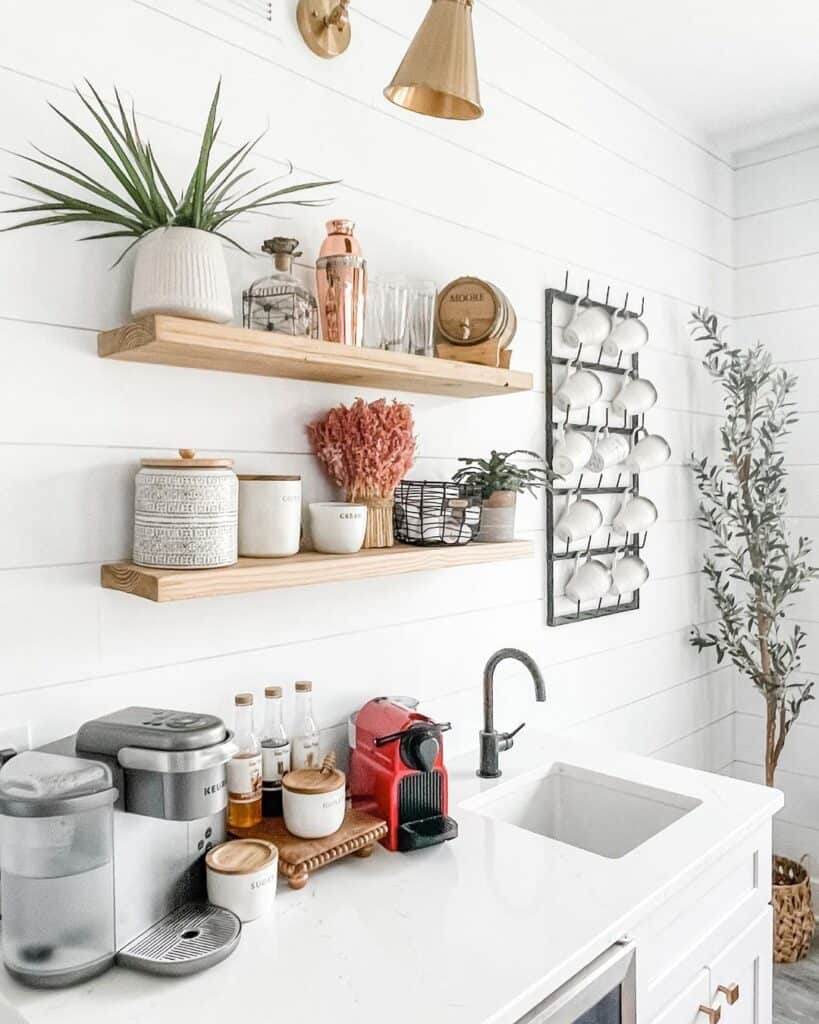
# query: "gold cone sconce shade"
[439,73]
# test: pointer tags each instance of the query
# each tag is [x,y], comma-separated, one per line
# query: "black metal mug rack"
[556,552]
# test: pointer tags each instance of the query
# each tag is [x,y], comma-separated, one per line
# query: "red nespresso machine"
[397,772]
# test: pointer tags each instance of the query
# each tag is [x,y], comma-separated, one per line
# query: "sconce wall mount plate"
[324,26]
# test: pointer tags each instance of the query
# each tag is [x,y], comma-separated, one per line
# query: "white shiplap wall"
[777,200]
[568,168]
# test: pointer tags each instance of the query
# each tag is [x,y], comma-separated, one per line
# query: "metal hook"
[578,610]
[579,354]
[588,547]
[568,414]
[643,305]
[608,292]
[566,281]
[624,310]
[607,417]
[619,359]
[580,482]
[619,478]
[619,599]
[588,417]
[599,606]
[608,540]
[588,286]
[600,480]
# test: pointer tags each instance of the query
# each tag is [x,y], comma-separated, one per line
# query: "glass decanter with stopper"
[244,770]
[280,302]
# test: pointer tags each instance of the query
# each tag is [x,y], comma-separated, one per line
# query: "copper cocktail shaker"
[341,279]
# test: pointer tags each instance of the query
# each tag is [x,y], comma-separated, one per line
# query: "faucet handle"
[507,739]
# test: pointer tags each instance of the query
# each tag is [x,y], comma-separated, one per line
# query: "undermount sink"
[589,810]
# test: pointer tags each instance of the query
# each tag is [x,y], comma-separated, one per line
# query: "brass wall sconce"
[324,25]
[439,73]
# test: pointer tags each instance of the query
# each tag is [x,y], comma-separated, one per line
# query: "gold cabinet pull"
[731,993]
[712,1013]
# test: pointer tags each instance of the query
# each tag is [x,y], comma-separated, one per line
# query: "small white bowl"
[241,876]
[337,528]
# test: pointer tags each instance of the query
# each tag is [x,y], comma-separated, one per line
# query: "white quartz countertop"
[476,931]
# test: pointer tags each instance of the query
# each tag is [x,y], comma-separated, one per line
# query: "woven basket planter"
[794,921]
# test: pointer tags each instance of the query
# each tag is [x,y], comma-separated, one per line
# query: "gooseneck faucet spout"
[491,741]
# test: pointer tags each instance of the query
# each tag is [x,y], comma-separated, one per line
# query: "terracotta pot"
[498,518]
[182,272]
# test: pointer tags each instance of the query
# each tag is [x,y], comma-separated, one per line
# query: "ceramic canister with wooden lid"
[186,512]
[313,800]
[241,876]
[269,516]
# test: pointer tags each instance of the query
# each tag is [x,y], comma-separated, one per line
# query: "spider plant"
[142,200]
[497,473]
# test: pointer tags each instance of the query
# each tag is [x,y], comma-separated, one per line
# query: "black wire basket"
[431,512]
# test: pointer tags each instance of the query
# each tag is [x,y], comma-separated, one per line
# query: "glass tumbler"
[421,317]
[392,302]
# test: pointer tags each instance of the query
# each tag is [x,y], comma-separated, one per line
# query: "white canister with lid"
[241,876]
[314,800]
[269,516]
[186,513]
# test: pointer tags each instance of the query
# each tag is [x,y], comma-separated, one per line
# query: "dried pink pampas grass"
[366,448]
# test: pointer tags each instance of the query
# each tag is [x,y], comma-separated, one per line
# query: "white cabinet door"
[741,975]
[685,1008]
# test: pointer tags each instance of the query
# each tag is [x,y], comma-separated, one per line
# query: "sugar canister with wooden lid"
[314,800]
[186,512]
[241,876]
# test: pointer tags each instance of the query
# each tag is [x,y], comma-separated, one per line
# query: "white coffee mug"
[609,450]
[580,389]
[636,515]
[628,334]
[648,453]
[637,395]
[572,452]
[337,528]
[628,574]
[581,518]
[590,581]
[590,325]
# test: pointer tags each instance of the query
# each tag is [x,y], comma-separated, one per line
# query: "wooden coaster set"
[298,857]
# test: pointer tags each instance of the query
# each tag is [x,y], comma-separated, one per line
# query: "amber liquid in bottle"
[244,770]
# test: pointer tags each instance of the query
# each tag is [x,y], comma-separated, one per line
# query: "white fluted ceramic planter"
[182,272]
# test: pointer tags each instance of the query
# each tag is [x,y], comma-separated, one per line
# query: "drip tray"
[190,939]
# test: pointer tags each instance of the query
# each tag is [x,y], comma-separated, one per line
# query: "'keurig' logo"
[217,787]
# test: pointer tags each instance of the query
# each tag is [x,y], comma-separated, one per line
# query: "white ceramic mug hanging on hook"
[628,573]
[610,450]
[580,519]
[589,325]
[572,451]
[581,389]
[648,453]
[628,334]
[636,396]
[589,581]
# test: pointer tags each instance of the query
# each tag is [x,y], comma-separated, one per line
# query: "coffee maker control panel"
[151,729]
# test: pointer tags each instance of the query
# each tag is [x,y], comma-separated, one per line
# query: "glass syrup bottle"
[275,753]
[305,749]
[244,770]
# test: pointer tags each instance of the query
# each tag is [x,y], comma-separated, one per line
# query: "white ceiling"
[744,71]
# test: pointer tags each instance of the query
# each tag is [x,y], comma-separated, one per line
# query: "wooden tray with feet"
[298,857]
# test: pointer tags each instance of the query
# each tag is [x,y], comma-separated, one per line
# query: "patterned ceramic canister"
[186,513]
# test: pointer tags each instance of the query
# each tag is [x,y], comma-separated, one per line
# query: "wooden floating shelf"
[304,569]
[174,341]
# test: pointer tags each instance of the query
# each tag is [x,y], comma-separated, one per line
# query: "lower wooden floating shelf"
[304,569]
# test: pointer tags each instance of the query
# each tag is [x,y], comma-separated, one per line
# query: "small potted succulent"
[501,481]
[180,265]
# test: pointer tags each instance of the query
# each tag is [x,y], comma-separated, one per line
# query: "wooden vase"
[379,521]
